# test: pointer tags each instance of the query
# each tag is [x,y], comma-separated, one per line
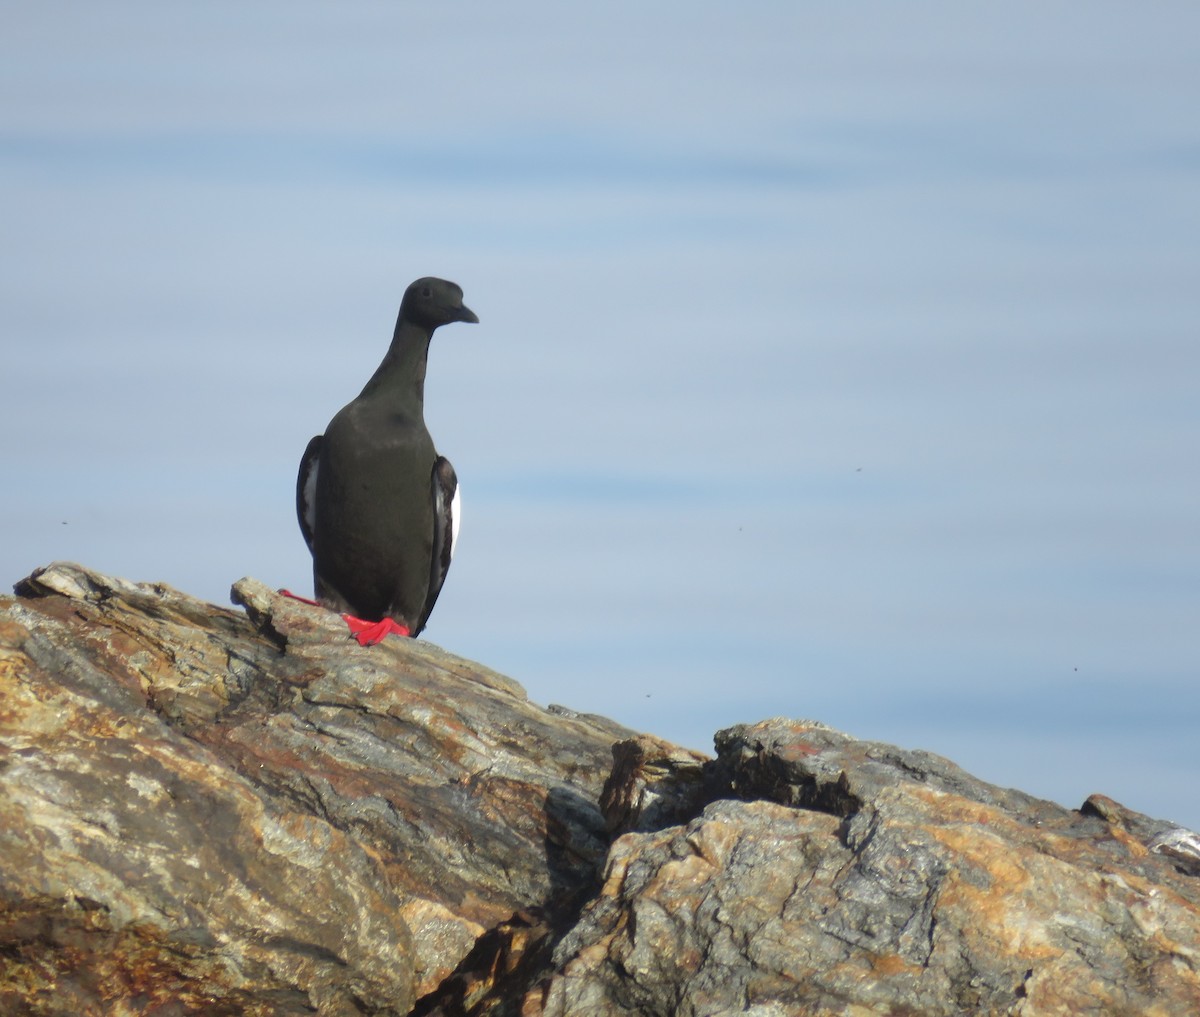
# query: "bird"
[377,506]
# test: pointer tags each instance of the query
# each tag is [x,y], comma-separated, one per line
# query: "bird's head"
[432,302]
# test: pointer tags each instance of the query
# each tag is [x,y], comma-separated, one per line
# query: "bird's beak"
[466,314]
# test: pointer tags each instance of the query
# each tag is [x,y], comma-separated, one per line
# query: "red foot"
[369,633]
[295,596]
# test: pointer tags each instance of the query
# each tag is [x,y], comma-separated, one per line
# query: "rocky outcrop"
[208,811]
[845,877]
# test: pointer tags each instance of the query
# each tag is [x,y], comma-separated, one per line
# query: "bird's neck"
[401,376]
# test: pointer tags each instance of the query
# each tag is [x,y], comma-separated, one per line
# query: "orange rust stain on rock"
[13,666]
[12,633]
[888,965]
[58,608]
[1131,844]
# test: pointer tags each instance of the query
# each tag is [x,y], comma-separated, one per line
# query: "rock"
[654,784]
[854,877]
[205,811]
[222,808]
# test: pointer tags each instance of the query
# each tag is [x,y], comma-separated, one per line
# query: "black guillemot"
[378,507]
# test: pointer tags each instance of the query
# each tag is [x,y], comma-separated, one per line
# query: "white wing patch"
[455,517]
[306,490]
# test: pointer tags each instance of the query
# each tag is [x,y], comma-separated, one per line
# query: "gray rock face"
[866,879]
[205,811]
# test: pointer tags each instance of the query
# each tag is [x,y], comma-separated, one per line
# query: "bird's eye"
[426,292]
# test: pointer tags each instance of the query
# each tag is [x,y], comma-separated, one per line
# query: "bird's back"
[374,502]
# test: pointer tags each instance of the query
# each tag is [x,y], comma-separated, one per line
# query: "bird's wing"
[447,504]
[306,489]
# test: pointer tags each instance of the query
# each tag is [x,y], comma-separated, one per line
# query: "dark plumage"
[377,505]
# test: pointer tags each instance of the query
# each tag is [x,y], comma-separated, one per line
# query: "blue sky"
[833,362]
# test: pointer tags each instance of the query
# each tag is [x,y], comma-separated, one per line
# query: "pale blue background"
[835,361]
